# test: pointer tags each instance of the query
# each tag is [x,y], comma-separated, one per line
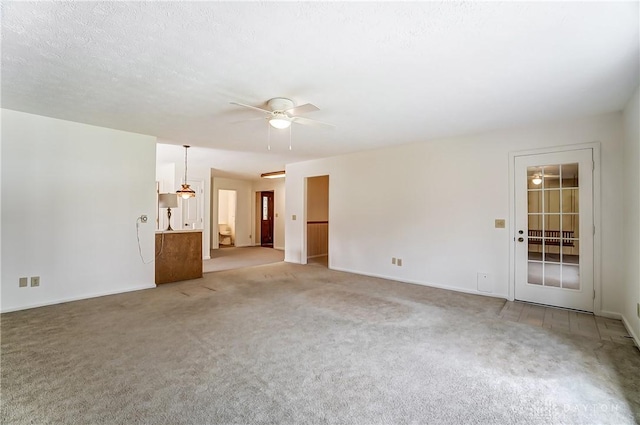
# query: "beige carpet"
[230,258]
[292,344]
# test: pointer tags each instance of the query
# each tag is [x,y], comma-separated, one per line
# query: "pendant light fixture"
[186,192]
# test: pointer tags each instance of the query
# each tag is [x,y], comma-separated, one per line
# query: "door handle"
[520,239]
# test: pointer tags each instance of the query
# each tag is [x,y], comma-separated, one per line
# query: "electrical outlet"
[23,282]
[35,281]
[143,218]
[393,260]
[399,262]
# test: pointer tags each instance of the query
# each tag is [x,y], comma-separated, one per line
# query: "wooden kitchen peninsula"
[178,255]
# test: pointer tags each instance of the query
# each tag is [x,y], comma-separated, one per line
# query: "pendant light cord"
[186,148]
[268,136]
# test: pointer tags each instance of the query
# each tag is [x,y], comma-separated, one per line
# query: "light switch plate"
[293,217]
[500,223]
[23,282]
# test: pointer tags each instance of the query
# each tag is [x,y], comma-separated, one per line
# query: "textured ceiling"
[383,73]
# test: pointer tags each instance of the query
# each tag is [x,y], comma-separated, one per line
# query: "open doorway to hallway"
[227,205]
[318,220]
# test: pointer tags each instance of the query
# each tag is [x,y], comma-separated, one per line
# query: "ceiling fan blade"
[314,123]
[249,120]
[302,109]
[251,107]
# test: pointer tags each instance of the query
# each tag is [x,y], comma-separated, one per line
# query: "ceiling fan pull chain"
[290,129]
[268,136]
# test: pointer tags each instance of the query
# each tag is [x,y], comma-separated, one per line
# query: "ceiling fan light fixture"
[280,123]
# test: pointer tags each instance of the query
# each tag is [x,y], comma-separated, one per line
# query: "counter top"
[158,232]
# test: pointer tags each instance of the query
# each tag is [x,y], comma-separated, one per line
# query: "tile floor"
[569,321]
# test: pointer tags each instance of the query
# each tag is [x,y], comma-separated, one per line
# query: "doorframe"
[597,239]
[235,219]
[303,248]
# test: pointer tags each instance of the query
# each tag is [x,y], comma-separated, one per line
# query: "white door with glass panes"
[554,229]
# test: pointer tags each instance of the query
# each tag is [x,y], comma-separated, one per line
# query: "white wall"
[278,188]
[71,195]
[433,204]
[243,229]
[165,176]
[631,223]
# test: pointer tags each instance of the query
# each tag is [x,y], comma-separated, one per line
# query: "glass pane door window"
[553,231]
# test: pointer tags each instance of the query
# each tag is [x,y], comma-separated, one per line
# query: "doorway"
[227,204]
[554,224]
[266,219]
[318,220]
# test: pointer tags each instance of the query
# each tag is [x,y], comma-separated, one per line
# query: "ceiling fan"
[537,177]
[282,112]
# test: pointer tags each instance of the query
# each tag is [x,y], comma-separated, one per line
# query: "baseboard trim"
[206,257]
[319,255]
[609,314]
[78,298]
[630,330]
[417,282]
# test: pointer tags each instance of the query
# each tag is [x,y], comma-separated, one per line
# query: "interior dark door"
[266,223]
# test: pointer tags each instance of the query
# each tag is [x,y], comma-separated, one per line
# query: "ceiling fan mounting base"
[280,104]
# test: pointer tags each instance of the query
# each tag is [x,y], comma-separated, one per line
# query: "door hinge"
[593,166]
[594,229]
[594,294]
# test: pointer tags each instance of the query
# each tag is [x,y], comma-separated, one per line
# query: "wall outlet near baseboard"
[23,282]
[399,262]
[35,281]
[393,260]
